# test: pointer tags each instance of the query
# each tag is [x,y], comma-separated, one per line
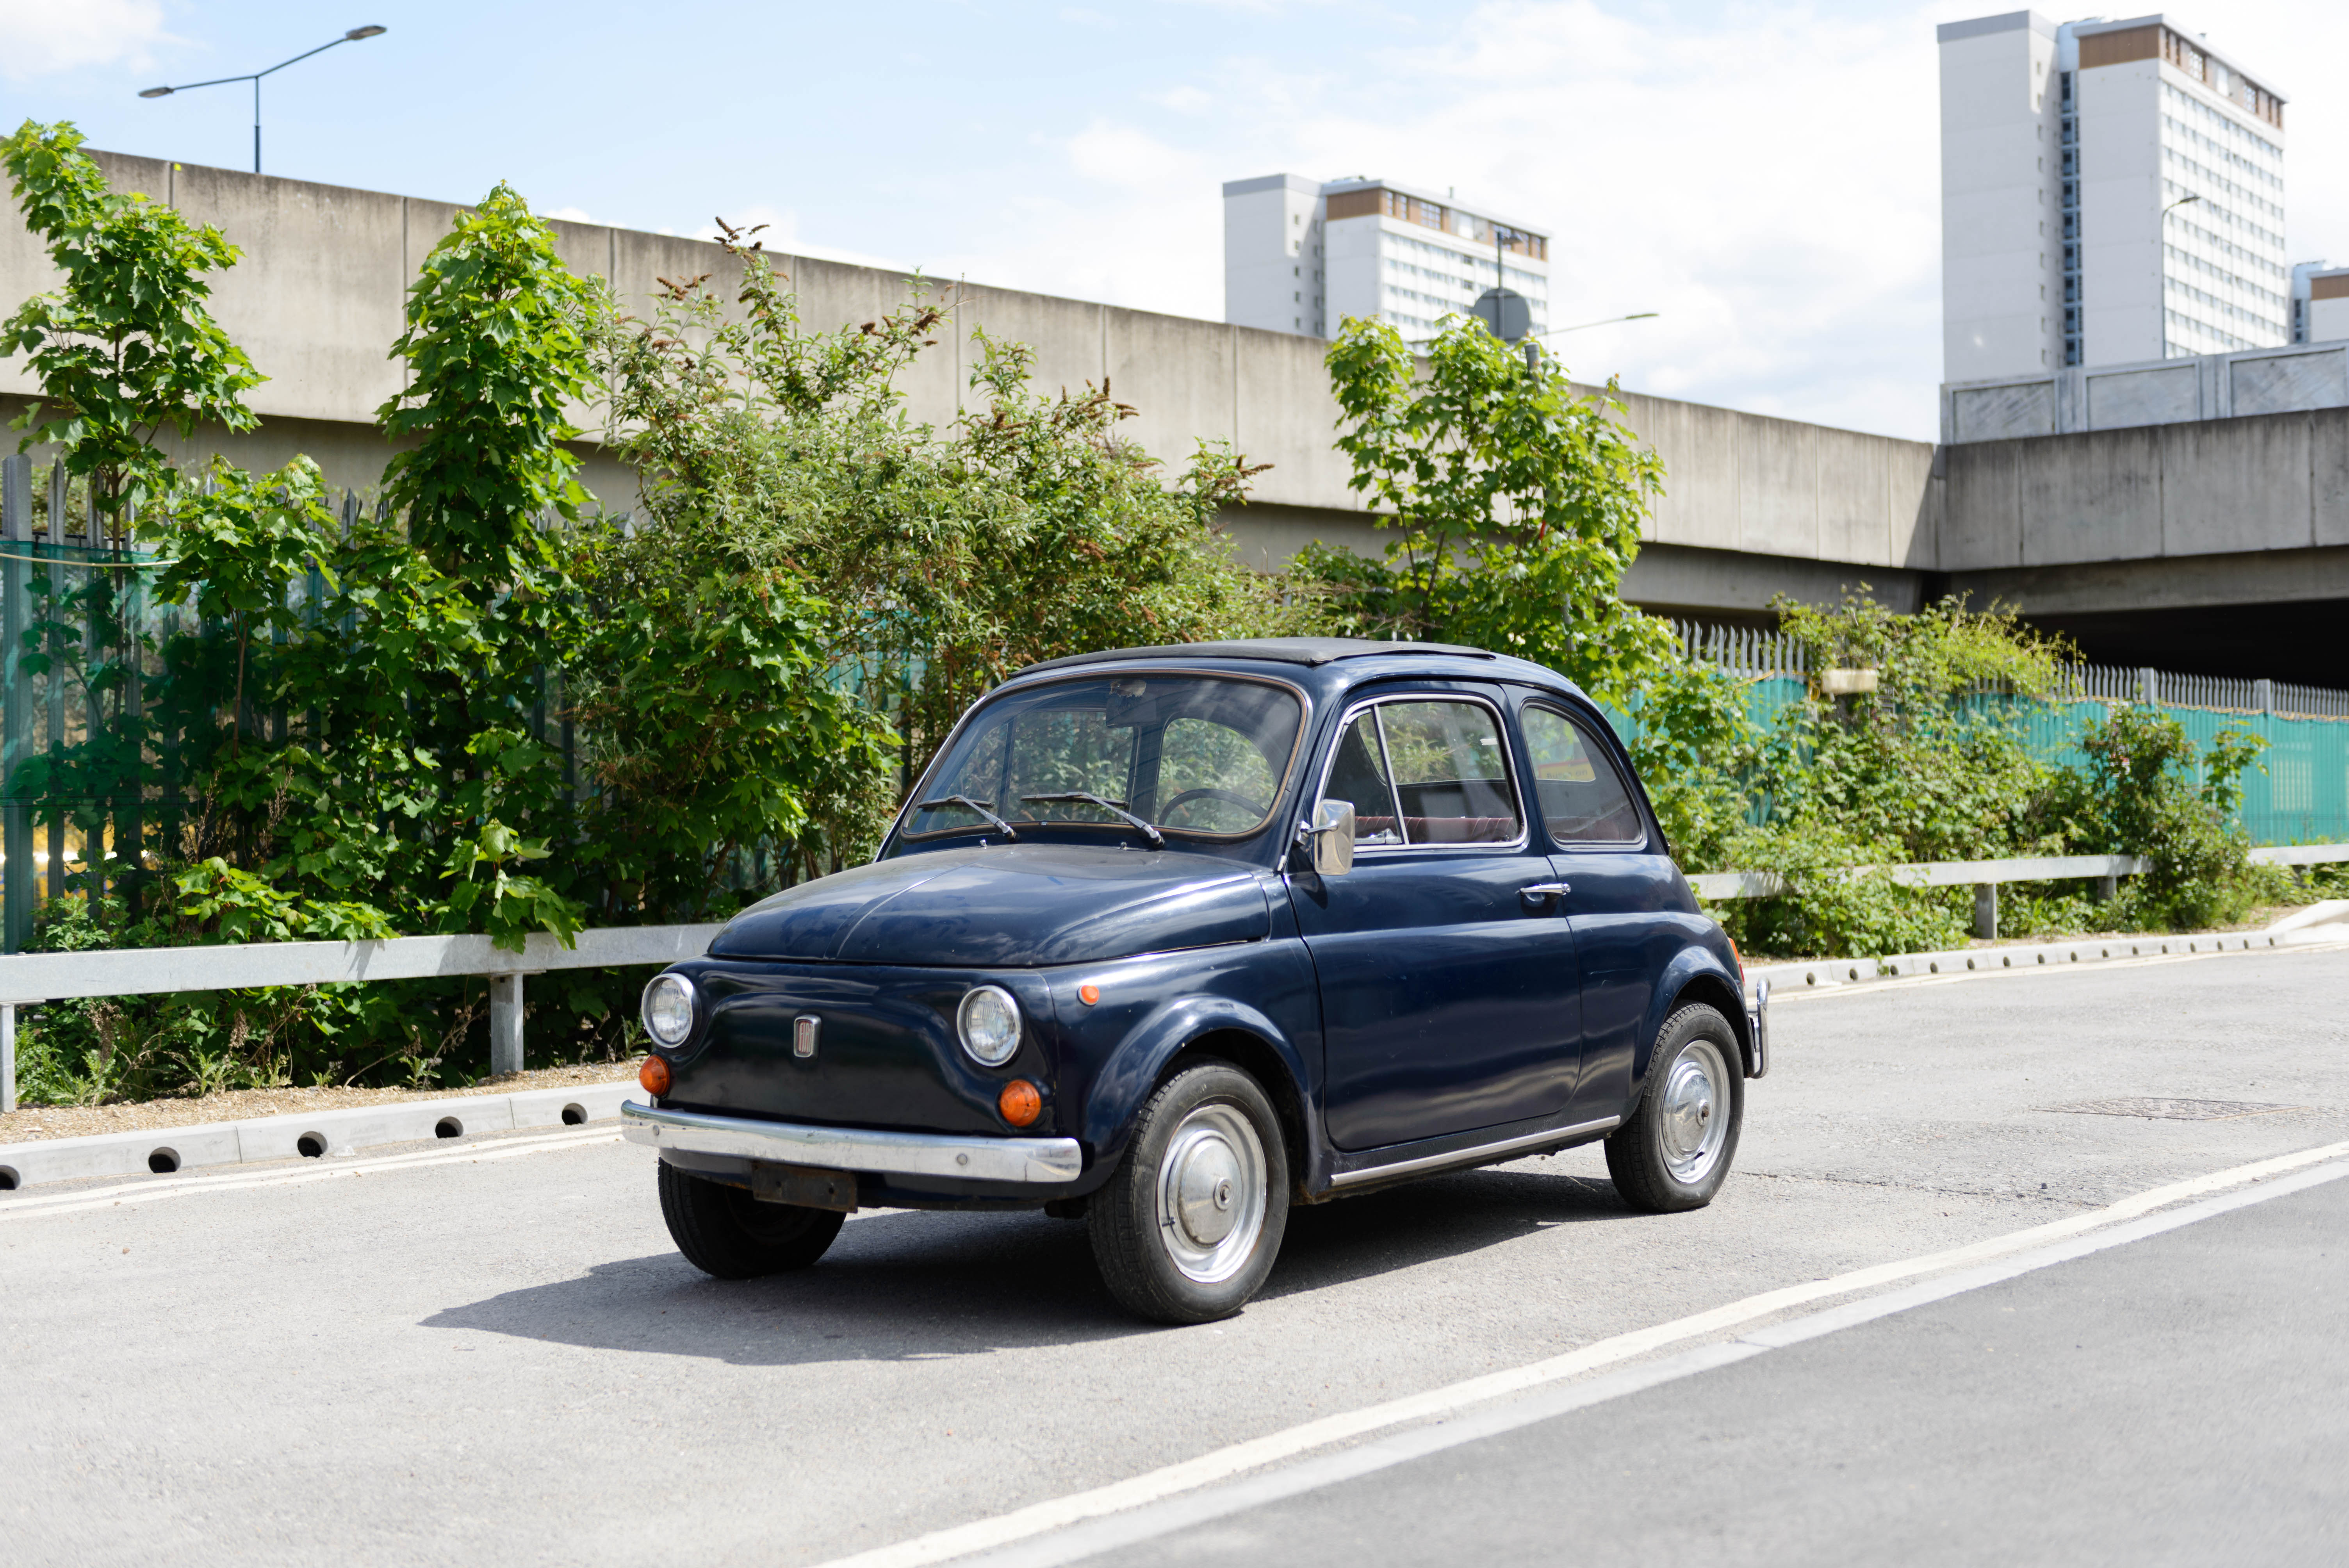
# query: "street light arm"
[1640,315]
[297,59]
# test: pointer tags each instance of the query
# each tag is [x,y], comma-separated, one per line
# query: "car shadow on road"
[910,1286]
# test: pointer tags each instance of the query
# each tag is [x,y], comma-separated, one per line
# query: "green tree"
[944,559]
[125,347]
[1517,503]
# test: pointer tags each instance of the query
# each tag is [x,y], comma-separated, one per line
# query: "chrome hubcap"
[1211,1194]
[1695,1119]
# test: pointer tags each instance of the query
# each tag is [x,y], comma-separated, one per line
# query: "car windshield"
[1204,756]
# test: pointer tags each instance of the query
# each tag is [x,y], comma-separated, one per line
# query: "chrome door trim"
[1482,1154]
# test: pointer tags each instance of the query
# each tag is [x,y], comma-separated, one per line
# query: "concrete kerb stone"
[312,1134]
[1826,973]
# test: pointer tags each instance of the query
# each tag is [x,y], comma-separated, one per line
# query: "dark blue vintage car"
[1170,939]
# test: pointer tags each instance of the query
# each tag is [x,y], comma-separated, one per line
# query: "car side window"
[1358,775]
[1450,772]
[1582,799]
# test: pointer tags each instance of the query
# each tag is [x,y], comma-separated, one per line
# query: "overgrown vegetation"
[821,585]
[1933,764]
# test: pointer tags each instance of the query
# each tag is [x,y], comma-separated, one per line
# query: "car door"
[1448,989]
[1621,901]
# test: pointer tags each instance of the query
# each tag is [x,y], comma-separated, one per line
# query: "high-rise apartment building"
[2320,302]
[1301,255]
[2111,192]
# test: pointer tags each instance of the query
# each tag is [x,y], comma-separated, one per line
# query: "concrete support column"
[1986,911]
[2107,888]
[506,1024]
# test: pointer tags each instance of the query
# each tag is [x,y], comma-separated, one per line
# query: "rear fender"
[1696,973]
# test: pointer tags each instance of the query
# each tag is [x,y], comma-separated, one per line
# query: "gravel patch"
[36,1122]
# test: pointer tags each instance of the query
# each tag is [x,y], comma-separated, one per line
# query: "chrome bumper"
[1038,1160]
[1758,1029]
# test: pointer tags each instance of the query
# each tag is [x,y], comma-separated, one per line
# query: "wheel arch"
[1181,1033]
[1694,975]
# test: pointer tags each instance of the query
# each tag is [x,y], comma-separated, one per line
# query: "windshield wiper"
[968,804]
[1149,829]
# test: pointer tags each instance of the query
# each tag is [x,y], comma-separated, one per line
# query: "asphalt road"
[492,1352]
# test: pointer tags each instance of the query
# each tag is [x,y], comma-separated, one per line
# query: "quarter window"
[1583,801]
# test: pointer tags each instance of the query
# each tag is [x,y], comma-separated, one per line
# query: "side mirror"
[1333,838]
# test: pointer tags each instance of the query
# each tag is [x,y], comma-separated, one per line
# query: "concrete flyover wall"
[1755,506]
[2276,483]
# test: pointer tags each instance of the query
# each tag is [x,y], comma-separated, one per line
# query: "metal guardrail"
[1985,875]
[26,978]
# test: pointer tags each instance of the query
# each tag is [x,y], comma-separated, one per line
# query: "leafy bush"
[2147,789]
[1932,765]
[1026,529]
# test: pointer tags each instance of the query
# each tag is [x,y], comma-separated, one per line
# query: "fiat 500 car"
[1169,940]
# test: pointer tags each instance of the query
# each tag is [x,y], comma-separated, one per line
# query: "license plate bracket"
[804,1186]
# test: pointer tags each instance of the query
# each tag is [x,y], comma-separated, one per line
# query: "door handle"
[1536,891]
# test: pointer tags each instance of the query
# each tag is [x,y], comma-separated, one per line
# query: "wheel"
[1187,1226]
[1674,1152]
[723,1231]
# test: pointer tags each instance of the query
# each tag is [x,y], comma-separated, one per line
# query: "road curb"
[1828,974]
[315,1134]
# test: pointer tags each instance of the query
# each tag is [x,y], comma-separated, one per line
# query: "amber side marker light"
[1089,993]
[1019,1102]
[654,1075]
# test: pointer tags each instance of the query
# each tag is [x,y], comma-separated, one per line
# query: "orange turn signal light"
[1089,993]
[654,1075]
[1019,1102]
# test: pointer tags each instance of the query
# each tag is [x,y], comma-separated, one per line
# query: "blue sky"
[1764,175]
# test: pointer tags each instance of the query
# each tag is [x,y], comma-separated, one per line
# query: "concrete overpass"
[2188,546]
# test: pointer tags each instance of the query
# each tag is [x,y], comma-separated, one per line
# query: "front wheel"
[1674,1152]
[1188,1225]
[724,1231]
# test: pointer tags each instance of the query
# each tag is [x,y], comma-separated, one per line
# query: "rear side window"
[1582,799]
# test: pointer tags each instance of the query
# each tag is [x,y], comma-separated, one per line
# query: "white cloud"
[568,215]
[1767,181]
[46,37]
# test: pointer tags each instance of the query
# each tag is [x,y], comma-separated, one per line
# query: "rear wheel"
[1675,1151]
[723,1231]
[1187,1229]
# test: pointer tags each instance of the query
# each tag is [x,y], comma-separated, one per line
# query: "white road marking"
[151,1190]
[1226,1463]
[1108,1534]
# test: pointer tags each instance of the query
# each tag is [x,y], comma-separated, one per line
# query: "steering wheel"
[1257,812]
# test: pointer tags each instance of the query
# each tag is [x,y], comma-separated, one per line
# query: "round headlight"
[668,1009]
[989,1021]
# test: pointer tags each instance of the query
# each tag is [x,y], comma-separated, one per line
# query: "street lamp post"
[353,37]
[2160,282]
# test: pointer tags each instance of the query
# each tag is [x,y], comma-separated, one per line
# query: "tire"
[1186,1228]
[1675,1151]
[723,1231]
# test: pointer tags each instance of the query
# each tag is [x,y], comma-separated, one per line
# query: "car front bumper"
[951,1156]
[1757,1028]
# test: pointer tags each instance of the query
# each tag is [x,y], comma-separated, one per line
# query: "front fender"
[1133,1070]
[1717,982]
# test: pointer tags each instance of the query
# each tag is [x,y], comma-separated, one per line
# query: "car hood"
[1007,906]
